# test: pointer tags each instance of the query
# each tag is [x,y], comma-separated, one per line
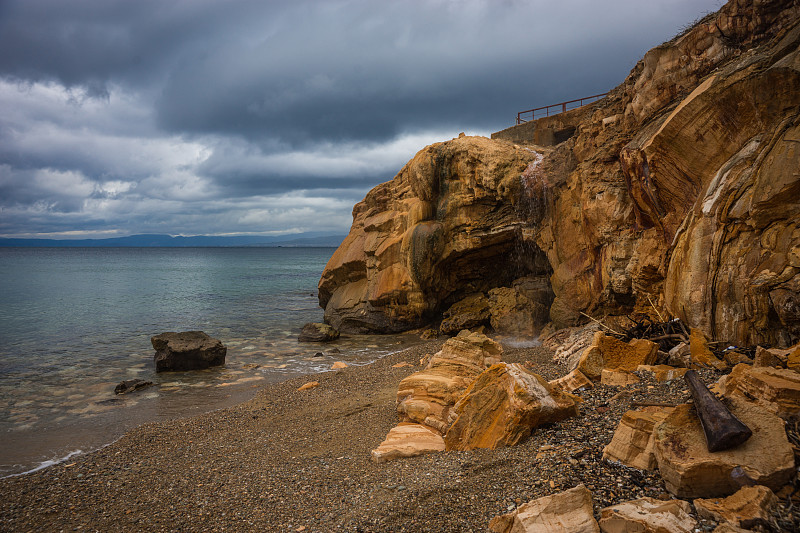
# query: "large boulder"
[426,397]
[689,470]
[569,511]
[502,406]
[187,350]
[472,311]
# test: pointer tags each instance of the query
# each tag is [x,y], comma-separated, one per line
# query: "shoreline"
[300,461]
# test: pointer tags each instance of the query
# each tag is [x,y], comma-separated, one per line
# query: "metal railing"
[561,108]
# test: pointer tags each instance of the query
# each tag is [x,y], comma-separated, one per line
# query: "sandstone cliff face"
[680,191]
[445,227]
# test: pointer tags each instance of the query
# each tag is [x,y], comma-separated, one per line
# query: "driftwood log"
[721,427]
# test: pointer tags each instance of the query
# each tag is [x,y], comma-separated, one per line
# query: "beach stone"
[502,406]
[131,385]
[662,372]
[618,378]
[307,386]
[748,507]
[648,515]
[680,356]
[701,354]
[408,440]
[188,350]
[467,313]
[770,357]
[426,397]
[610,353]
[571,382]
[689,470]
[775,389]
[513,313]
[569,511]
[317,332]
[633,443]
[338,365]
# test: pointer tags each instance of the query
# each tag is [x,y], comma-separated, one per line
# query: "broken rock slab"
[565,512]
[408,440]
[610,353]
[502,406]
[662,372]
[748,507]
[633,443]
[701,354]
[618,378]
[775,389]
[648,515]
[572,382]
[689,470]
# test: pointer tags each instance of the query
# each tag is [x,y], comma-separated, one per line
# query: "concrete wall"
[546,131]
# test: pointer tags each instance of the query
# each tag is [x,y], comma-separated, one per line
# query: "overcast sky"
[191,117]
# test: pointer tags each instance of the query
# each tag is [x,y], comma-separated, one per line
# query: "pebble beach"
[291,460]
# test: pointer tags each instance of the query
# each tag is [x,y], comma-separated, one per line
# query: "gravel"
[300,461]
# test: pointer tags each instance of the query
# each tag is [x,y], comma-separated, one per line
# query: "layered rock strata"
[678,193]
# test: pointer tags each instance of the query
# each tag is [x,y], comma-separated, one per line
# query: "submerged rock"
[131,385]
[317,332]
[188,350]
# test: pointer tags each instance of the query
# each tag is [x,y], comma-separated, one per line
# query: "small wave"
[46,464]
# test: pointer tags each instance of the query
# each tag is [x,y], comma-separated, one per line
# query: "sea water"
[74,322]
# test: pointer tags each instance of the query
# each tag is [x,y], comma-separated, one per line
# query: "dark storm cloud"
[239,116]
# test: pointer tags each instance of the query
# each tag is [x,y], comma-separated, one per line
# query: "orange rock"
[663,372]
[402,365]
[689,470]
[648,515]
[770,357]
[746,508]
[633,443]
[775,389]
[309,385]
[565,512]
[701,354]
[502,406]
[608,352]
[339,364]
[408,440]
[571,382]
[618,378]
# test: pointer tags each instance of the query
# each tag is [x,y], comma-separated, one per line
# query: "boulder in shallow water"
[318,332]
[131,385]
[187,350]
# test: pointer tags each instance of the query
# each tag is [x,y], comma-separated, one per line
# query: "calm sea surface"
[74,322]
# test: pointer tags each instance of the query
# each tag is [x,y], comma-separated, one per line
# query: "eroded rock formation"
[679,192]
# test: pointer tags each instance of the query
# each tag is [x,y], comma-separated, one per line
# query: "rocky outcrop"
[187,350]
[677,193]
[502,406]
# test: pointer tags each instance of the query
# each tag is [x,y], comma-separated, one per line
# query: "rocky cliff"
[679,191]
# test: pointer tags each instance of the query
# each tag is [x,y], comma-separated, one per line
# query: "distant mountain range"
[310,239]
